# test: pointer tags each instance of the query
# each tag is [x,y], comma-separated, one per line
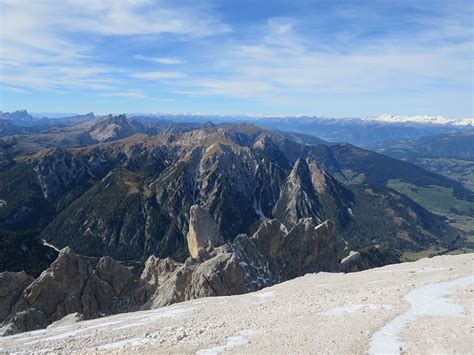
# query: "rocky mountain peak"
[298,198]
[110,127]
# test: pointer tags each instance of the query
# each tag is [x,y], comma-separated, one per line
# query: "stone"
[353,262]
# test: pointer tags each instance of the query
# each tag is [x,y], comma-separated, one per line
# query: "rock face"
[12,285]
[233,268]
[70,285]
[307,247]
[203,231]
[114,274]
[298,197]
[74,287]
[163,282]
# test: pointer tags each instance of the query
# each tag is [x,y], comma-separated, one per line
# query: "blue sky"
[332,58]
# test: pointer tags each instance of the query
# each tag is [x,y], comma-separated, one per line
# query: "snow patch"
[324,224]
[258,210]
[46,244]
[425,301]
[376,281]
[119,321]
[235,341]
[210,147]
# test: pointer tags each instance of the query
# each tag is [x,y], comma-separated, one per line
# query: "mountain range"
[366,132]
[230,203]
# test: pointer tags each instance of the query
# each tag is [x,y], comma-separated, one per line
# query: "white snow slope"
[420,307]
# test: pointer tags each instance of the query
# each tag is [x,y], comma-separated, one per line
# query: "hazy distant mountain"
[21,122]
[19,118]
[364,132]
[458,145]
[423,119]
[451,155]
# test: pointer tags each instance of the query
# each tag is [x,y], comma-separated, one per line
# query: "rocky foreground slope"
[420,307]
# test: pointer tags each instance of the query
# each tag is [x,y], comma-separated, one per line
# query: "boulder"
[353,262]
[30,318]
[269,238]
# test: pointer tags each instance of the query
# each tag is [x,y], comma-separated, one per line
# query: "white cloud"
[53,77]
[126,94]
[160,60]
[14,89]
[158,75]
[281,63]
[40,38]
[231,87]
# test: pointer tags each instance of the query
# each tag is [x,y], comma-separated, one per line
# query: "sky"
[325,58]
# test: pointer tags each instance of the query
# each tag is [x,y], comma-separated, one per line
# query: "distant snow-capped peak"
[422,119]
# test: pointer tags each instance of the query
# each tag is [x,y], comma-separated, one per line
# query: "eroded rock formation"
[76,287]
[203,231]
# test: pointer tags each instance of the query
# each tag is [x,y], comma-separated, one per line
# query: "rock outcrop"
[353,262]
[77,287]
[298,197]
[203,231]
[233,268]
[307,247]
[72,284]
[12,285]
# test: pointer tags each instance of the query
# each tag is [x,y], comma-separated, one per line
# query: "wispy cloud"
[160,60]
[14,89]
[158,75]
[316,53]
[281,62]
[126,94]
[44,43]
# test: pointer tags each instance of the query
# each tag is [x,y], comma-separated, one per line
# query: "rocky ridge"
[77,287]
